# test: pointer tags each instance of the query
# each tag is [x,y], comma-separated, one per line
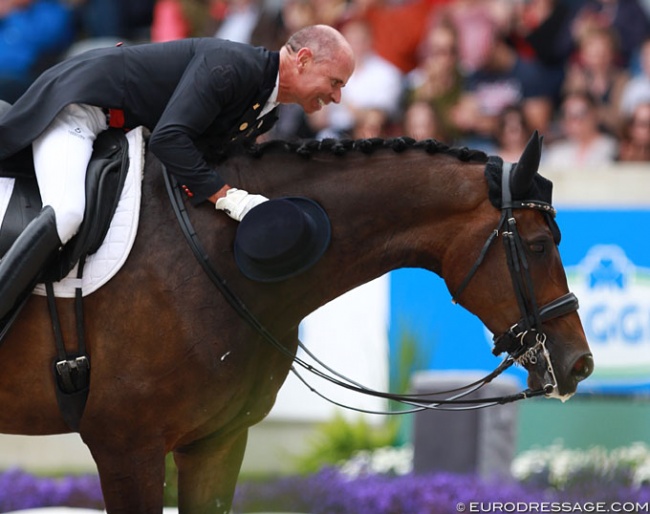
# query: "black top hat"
[281,238]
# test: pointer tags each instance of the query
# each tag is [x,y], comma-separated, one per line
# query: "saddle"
[105,179]
[104,183]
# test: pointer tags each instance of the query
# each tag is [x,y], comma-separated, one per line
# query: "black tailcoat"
[191,94]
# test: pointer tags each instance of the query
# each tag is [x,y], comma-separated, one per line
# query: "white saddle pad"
[107,261]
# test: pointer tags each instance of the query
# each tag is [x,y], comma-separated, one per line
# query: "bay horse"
[176,369]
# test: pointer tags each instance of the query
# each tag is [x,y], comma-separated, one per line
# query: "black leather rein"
[418,402]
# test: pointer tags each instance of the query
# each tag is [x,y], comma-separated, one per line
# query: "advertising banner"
[607,258]
[606,254]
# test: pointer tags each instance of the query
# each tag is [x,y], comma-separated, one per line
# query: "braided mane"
[343,146]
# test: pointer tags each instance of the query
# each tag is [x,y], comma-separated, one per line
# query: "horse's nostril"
[583,367]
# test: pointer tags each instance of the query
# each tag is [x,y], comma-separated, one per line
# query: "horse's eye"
[537,247]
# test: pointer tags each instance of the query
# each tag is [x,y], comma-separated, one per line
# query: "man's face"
[578,118]
[320,83]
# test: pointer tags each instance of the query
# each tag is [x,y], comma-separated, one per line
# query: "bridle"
[524,342]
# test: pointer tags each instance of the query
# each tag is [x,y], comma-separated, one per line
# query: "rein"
[526,353]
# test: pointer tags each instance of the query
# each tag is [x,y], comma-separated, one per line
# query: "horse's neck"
[387,211]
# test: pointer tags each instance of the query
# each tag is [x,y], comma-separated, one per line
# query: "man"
[192,94]
[582,144]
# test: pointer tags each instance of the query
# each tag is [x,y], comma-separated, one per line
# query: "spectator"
[635,138]
[542,28]
[626,17]
[97,19]
[137,17]
[504,79]
[178,19]
[541,32]
[169,22]
[331,12]
[32,35]
[477,23]
[398,27]
[512,133]
[421,122]
[595,70]
[239,21]
[376,85]
[583,143]
[637,90]
[370,123]
[106,19]
[437,79]
[278,20]
[276,24]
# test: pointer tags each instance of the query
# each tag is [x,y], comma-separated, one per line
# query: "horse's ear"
[522,176]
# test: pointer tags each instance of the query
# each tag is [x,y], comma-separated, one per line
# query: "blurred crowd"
[477,73]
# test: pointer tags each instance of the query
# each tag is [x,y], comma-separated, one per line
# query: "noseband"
[525,341]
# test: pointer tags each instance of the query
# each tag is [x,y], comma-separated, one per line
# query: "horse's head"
[510,274]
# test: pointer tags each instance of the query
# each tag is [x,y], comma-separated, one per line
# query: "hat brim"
[318,244]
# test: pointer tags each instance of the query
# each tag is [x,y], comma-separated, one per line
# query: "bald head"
[325,42]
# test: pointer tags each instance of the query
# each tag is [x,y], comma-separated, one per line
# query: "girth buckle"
[73,373]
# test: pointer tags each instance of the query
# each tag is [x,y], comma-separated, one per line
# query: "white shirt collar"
[272,102]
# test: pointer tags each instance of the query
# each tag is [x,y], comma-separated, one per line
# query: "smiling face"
[320,82]
[313,75]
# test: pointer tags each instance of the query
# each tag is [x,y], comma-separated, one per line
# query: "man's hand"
[238,202]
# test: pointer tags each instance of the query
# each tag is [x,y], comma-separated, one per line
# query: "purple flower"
[20,490]
[330,492]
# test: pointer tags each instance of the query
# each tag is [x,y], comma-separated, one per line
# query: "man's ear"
[303,57]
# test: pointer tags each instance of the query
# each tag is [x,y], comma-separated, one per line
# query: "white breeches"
[61,156]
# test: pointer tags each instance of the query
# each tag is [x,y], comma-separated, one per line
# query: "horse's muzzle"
[559,381]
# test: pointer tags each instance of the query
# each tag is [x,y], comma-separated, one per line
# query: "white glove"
[238,202]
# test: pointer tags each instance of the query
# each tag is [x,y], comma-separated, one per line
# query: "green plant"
[339,439]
